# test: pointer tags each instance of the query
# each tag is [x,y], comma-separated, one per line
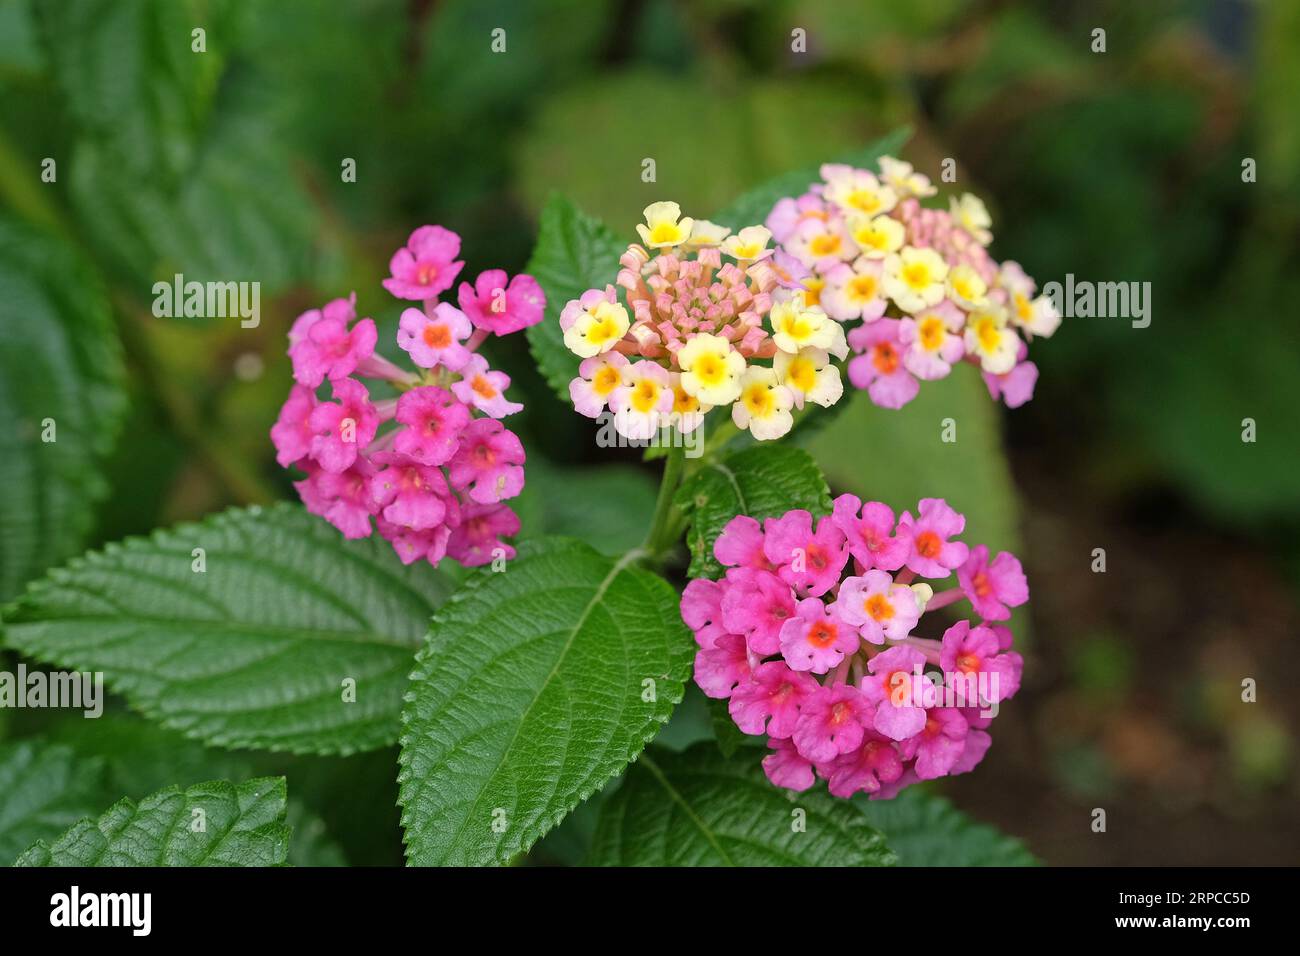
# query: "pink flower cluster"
[433,465]
[811,635]
[929,295]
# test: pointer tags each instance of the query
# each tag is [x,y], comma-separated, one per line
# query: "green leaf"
[763,481]
[236,216]
[254,650]
[126,71]
[240,826]
[609,506]
[574,253]
[140,757]
[43,791]
[530,694]
[179,165]
[925,830]
[753,207]
[699,809]
[61,402]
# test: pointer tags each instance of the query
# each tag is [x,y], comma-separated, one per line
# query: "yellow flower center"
[796,326]
[862,288]
[1024,309]
[813,286]
[684,404]
[645,395]
[665,232]
[826,244]
[710,369]
[602,330]
[917,275]
[931,332]
[870,237]
[606,380]
[988,334]
[802,374]
[758,399]
[865,199]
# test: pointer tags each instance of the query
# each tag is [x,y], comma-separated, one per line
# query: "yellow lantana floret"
[989,338]
[914,278]
[809,376]
[711,369]
[877,237]
[764,404]
[748,244]
[797,326]
[705,234]
[970,213]
[597,330]
[664,226]
[967,288]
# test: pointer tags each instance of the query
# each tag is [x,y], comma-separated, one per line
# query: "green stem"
[660,538]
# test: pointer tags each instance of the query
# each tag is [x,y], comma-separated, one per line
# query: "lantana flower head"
[732,321]
[431,466]
[825,636]
[865,248]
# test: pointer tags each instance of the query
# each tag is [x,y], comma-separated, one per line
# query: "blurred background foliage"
[1122,166]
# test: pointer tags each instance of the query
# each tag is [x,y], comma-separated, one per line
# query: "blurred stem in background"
[664,529]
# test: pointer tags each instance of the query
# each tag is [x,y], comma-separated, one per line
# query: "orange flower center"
[879,607]
[437,336]
[928,544]
[822,634]
[885,358]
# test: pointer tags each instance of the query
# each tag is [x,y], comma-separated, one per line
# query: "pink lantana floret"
[502,307]
[426,266]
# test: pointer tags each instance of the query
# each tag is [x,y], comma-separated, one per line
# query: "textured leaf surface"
[762,481]
[926,830]
[252,652]
[43,791]
[140,757]
[179,165]
[240,826]
[574,253]
[61,366]
[753,207]
[700,809]
[530,694]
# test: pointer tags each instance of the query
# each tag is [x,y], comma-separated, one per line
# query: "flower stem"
[661,537]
